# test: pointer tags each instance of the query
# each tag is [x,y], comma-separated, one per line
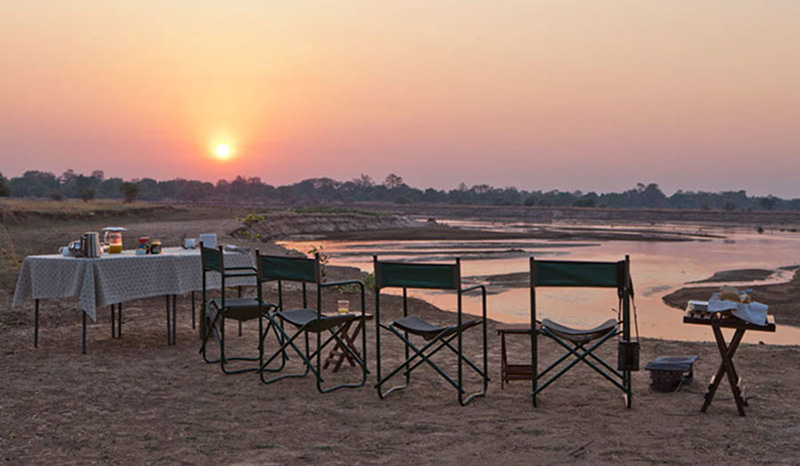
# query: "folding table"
[727,350]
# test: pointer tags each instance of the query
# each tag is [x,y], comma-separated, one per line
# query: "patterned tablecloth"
[117,278]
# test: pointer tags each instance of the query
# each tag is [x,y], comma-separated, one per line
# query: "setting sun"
[223,151]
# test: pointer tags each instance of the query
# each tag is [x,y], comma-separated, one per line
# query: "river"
[657,268]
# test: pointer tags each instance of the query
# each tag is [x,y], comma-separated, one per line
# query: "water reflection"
[657,268]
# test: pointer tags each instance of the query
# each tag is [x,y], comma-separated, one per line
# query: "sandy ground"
[137,400]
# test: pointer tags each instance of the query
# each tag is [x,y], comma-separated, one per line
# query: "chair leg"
[215,326]
[225,360]
[581,354]
[210,318]
[335,335]
[417,353]
[287,342]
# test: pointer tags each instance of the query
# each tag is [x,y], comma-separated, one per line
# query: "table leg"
[726,368]
[332,356]
[240,322]
[503,360]
[36,326]
[174,320]
[349,338]
[193,311]
[119,321]
[113,322]
[169,327]
[83,346]
[733,377]
[201,332]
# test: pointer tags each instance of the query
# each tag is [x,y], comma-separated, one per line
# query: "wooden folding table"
[509,372]
[726,350]
[349,334]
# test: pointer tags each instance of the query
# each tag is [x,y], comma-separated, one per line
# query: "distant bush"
[130,191]
[4,189]
[88,195]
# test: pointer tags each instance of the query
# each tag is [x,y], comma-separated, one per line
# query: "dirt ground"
[137,400]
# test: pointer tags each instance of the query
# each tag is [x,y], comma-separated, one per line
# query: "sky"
[552,94]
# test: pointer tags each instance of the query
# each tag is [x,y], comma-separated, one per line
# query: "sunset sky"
[590,95]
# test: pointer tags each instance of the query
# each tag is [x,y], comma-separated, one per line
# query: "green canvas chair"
[307,321]
[436,337]
[218,311]
[581,344]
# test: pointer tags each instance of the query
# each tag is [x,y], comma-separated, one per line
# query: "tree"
[88,194]
[130,191]
[4,190]
[768,203]
[393,181]
[364,181]
[33,183]
[110,188]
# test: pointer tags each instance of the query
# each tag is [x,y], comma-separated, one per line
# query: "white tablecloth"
[117,278]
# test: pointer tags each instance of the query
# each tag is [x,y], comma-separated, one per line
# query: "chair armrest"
[250,268]
[474,287]
[241,272]
[342,283]
[483,299]
[269,305]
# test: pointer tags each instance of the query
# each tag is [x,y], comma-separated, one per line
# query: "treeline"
[365,189]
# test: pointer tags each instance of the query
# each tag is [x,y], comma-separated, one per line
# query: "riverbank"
[782,298]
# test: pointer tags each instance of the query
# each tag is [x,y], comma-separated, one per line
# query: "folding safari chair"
[582,343]
[218,311]
[307,320]
[430,276]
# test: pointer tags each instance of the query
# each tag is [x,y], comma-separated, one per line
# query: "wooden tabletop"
[711,318]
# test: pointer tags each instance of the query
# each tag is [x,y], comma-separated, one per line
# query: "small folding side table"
[726,350]
[349,334]
[509,372]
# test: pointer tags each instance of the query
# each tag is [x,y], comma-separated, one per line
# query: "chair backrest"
[580,274]
[299,269]
[417,275]
[296,269]
[212,259]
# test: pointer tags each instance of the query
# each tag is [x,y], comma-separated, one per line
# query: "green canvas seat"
[242,309]
[417,326]
[436,337]
[308,317]
[306,321]
[580,336]
[581,344]
[219,310]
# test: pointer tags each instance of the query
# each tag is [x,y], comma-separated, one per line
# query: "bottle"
[143,248]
